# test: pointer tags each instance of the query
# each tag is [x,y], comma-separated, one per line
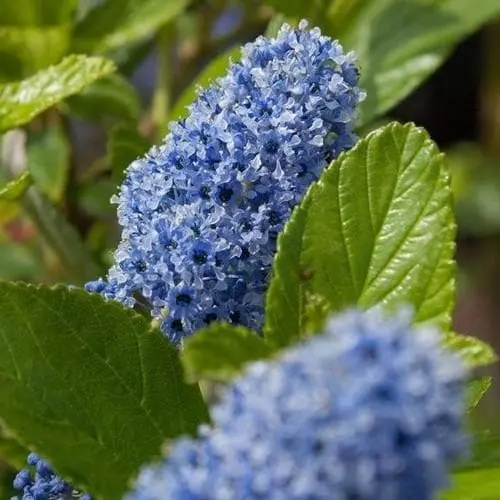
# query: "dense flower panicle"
[45,484]
[369,410]
[201,213]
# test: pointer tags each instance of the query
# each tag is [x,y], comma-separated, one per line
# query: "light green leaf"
[89,385]
[285,299]
[378,229]
[22,101]
[476,390]
[217,68]
[475,352]
[220,351]
[483,484]
[395,61]
[125,145]
[48,161]
[27,49]
[14,189]
[117,23]
[36,12]
[111,96]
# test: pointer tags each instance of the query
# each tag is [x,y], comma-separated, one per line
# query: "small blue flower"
[45,484]
[204,209]
[371,409]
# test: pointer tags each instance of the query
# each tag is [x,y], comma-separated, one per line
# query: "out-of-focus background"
[76,153]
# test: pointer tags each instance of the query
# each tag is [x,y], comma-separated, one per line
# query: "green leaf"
[36,12]
[111,96]
[299,8]
[48,161]
[25,50]
[125,145]
[89,385]
[116,23]
[220,351]
[483,484]
[95,197]
[217,68]
[476,390]
[11,451]
[22,101]
[17,262]
[14,189]
[475,352]
[7,475]
[285,299]
[395,61]
[378,228]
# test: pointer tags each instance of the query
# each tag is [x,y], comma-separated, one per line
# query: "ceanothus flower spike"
[371,409]
[200,214]
[44,484]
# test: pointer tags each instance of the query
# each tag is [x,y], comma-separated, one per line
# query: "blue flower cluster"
[201,213]
[370,410]
[45,485]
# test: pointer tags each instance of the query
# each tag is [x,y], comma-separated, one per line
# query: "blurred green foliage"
[67,66]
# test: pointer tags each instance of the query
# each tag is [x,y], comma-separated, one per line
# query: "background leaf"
[378,229]
[14,189]
[220,351]
[475,352]
[96,422]
[111,96]
[215,69]
[48,157]
[395,61]
[27,49]
[22,101]
[116,23]
[36,12]
[17,261]
[125,145]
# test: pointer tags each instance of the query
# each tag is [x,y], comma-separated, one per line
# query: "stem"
[490,91]
[162,98]
[61,238]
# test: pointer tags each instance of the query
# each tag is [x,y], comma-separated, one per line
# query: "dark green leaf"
[395,61]
[17,262]
[14,189]
[48,161]
[111,96]
[475,352]
[22,101]
[89,385]
[220,351]
[125,145]
[11,452]
[378,228]
[7,475]
[116,23]
[217,68]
